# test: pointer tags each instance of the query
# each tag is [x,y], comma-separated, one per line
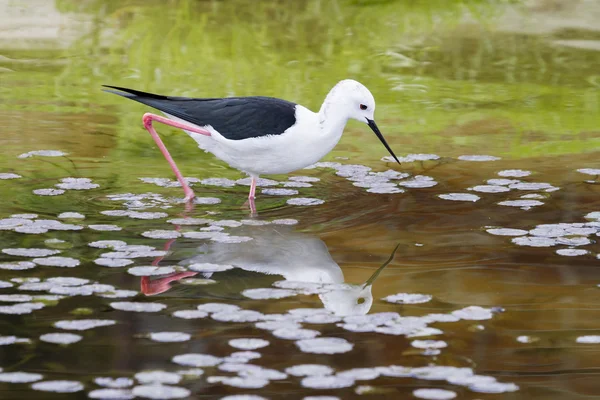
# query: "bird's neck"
[333,114]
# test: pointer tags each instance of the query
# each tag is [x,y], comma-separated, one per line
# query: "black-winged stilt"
[260,135]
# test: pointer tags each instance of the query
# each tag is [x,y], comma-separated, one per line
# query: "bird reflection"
[278,250]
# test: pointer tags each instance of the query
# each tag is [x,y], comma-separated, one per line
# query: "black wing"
[235,118]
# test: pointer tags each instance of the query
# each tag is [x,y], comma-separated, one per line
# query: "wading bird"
[259,135]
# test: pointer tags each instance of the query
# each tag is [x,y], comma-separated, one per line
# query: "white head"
[347,299]
[351,99]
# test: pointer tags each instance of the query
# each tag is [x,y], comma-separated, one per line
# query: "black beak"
[378,271]
[375,129]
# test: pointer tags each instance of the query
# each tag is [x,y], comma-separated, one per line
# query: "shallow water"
[110,288]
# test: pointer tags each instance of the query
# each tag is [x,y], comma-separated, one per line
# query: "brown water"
[471,78]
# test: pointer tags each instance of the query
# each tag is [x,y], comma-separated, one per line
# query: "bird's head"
[360,105]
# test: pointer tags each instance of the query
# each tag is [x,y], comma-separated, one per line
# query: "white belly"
[296,148]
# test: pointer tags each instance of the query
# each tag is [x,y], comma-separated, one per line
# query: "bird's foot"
[189,195]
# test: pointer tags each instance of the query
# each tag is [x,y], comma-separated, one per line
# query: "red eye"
[363,107]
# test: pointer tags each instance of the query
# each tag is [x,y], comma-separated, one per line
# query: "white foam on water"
[309,370]
[158,377]
[300,178]
[429,344]
[17,265]
[412,158]
[493,387]
[360,374]
[248,343]
[7,340]
[274,325]
[115,383]
[259,182]
[170,337]
[221,182]
[514,173]
[21,308]
[589,171]
[588,339]
[418,182]
[534,241]
[242,356]
[231,239]
[190,314]
[68,281]
[30,252]
[160,392]
[5,284]
[473,313]
[295,333]
[9,175]
[489,189]
[459,197]
[531,186]
[238,316]
[293,184]
[138,307]
[43,153]
[506,232]
[189,221]
[118,294]
[243,397]
[321,398]
[326,345]
[76,184]
[304,201]
[280,192]
[105,227]
[523,204]
[58,386]
[239,382]
[15,298]
[326,382]
[107,244]
[207,267]
[571,252]
[161,234]
[19,377]
[150,271]
[66,262]
[408,298]
[285,221]
[478,158]
[111,394]
[197,360]
[71,215]
[83,324]
[526,339]
[112,262]
[434,394]
[534,196]
[268,293]
[61,338]
[218,307]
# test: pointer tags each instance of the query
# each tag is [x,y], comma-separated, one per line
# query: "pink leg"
[252,195]
[147,120]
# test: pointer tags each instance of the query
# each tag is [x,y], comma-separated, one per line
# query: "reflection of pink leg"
[147,119]
[160,285]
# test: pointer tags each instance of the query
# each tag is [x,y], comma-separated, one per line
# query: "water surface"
[518,308]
